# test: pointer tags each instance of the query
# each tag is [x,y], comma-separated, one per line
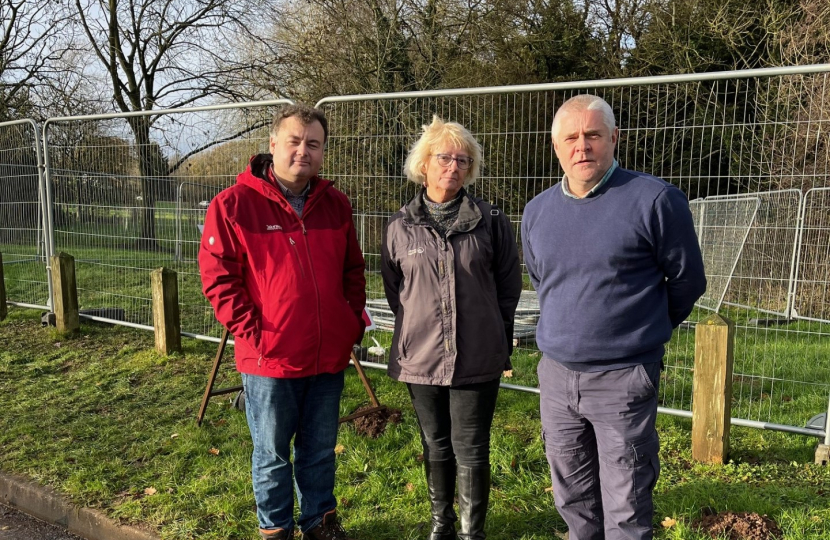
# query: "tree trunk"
[153,170]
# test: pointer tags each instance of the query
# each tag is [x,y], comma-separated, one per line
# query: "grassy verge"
[105,420]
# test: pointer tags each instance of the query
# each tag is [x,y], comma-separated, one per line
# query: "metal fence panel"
[738,133]
[812,283]
[22,240]
[121,187]
[766,268]
[722,227]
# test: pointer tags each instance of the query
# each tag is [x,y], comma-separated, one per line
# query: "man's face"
[585,148]
[297,150]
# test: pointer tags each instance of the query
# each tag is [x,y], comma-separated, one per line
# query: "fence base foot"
[47,318]
[823,454]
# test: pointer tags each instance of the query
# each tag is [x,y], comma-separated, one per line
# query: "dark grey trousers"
[602,448]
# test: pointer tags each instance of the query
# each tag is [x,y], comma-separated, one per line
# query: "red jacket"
[290,290]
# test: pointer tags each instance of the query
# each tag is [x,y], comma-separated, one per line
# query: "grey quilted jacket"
[454,300]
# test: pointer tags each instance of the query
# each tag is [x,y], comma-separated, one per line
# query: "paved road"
[15,525]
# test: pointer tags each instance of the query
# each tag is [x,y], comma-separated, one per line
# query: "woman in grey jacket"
[451,273]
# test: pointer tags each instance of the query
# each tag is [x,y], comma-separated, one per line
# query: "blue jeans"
[306,409]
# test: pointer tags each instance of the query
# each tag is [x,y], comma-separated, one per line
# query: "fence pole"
[166,320]
[823,449]
[712,389]
[3,309]
[66,292]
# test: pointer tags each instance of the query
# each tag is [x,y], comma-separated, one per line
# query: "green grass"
[102,418]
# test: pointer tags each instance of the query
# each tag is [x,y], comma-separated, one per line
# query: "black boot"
[441,485]
[473,496]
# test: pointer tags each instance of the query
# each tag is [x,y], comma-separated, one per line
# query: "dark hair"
[305,114]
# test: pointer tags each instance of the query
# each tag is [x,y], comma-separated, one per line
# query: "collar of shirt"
[287,192]
[272,177]
[594,189]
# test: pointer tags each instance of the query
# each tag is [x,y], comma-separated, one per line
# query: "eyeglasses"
[445,160]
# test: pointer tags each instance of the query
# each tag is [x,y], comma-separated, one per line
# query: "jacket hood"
[258,177]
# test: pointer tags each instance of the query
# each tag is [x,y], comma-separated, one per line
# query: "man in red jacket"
[281,265]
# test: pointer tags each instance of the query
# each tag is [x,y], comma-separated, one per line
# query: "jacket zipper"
[295,249]
[297,256]
[317,295]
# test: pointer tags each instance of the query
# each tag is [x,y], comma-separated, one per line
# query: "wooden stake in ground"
[166,319]
[3,309]
[712,394]
[65,292]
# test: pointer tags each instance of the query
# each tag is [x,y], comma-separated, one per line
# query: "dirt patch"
[374,424]
[738,526]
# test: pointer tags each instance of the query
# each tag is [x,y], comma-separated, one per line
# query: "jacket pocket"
[403,343]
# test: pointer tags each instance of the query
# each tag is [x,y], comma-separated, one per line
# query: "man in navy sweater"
[616,264]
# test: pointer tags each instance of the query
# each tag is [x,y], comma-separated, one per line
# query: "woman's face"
[444,181]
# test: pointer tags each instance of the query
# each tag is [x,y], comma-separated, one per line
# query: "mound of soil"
[374,424]
[738,526]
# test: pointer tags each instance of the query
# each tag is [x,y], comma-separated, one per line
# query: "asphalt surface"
[15,525]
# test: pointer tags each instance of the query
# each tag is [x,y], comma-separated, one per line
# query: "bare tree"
[30,44]
[169,53]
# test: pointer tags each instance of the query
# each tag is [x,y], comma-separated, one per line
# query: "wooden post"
[4,311]
[712,393]
[65,292]
[166,319]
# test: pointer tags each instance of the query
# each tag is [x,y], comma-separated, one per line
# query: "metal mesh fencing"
[812,284]
[121,190]
[737,134]
[765,270]
[22,240]
[722,227]
[192,202]
[127,193]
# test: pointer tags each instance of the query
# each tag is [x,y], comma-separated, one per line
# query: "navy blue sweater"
[615,273]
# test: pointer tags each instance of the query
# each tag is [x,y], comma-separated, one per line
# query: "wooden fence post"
[712,393]
[166,320]
[65,292]
[4,311]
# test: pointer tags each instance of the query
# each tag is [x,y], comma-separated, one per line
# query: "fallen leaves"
[668,522]
[214,451]
[150,491]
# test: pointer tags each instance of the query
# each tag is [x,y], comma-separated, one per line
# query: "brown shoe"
[276,534]
[328,529]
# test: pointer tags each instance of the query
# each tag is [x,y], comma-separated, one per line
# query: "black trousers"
[455,421]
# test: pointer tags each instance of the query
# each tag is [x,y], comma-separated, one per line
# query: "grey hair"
[584,102]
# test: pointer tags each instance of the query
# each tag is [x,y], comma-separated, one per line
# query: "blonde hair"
[437,134]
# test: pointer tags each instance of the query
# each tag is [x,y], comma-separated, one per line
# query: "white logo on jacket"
[273,228]
[415,251]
